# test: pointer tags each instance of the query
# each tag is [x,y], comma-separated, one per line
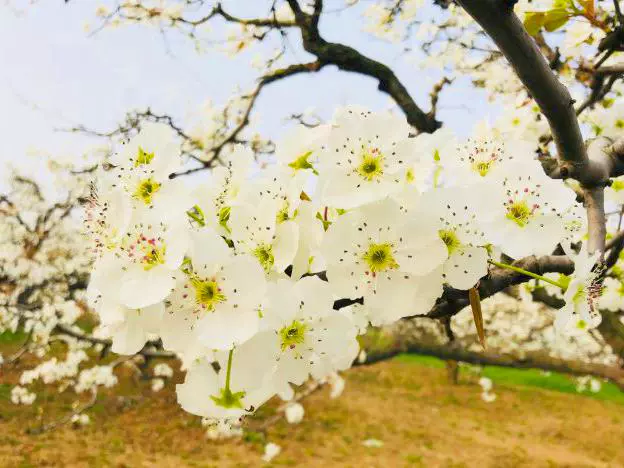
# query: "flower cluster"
[240,276]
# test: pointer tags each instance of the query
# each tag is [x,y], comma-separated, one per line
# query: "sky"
[57,74]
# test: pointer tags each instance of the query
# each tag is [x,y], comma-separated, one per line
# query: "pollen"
[519,212]
[372,165]
[450,239]
[207,293]
[379,257]
[143,158]
[293,335]
[146,190]
[264,254]
[153,255]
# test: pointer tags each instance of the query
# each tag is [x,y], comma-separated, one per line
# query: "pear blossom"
[241,383]
[367,157]
[527,205]
[582,294]
[394,266]
[612,297]
[310,337]
[294,413]
[484,158]
[459,227]
[218,288]
[271,451]
[145,261]
[263,233]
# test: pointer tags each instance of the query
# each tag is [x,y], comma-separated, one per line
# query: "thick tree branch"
[454,300]
[498,20]
[529,361]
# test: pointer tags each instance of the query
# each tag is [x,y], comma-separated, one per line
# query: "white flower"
[271,451]
[310,337]
[372,443]
[154,150]
[266,231]
[485,383]
[205,391]
[218,301]
[337,385]
[142,171]
[128,327]
[21,396]
[308,258]
[294,413]
[367,157]
[143,265]
[580,311]
[528,206]
[612,297]
[615,192]
[80,419]
[157,385]
[216,198]
[299,149]
[458,214]
[163,370]
[484,158]
[391,260]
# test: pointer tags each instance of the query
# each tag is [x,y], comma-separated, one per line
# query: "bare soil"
[421,419]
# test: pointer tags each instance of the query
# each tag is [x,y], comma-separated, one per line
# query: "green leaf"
[555,19]
[534,21]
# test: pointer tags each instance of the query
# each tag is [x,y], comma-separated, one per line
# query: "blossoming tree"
[264,272]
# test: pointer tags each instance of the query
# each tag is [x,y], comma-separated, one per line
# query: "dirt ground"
[421,419]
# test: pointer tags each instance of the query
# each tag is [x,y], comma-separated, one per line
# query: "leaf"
[555,19]
[533,21]
[477,314]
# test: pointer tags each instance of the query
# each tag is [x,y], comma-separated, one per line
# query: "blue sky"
[56,75]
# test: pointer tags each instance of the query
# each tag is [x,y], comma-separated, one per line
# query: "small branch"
[65,419]
[349,59]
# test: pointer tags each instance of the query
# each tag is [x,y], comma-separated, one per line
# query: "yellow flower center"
[292,335]
[153,256]
[450,239]
[146,190]
[379,257]
[483,167]
[207,293]
[264,254]
[371,167]
[519,212]
[143,158]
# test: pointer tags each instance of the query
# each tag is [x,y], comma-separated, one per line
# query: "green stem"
[527,273]
[229,371]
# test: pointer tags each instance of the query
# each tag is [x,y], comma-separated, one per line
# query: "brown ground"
[421,419]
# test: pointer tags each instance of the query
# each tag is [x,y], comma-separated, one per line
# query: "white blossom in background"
[582,297]
[21,396]
[271,451]
[294,413]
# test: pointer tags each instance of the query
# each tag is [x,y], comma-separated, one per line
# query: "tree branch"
[529,361]
[348,59]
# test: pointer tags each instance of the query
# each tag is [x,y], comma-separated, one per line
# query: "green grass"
[505,376]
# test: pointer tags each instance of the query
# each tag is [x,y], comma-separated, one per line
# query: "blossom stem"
[229,371]
[527,273]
